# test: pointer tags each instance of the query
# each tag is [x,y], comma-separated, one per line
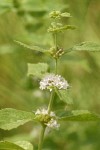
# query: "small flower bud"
[55,14]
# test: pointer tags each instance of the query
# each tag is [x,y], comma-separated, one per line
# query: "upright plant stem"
[43,126]
[51,97]
[50,102]
[55,41]
[55,45]
[56,65]
[41,137]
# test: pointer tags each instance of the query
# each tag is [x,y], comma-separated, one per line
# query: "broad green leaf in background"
[35,48]
[33,6]
[29,38]
[5,6]
[58,5]
[6,49]
[12,118]
[4,10]
[37,70]
[79,115]
[65,96]
[25,144]
[85,46]
[4,145]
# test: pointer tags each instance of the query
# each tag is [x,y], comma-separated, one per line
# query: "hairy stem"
[41,137]
[55,45]
[56,65]
[50,102]
[55,41]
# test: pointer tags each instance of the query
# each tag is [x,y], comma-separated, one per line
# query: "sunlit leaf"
[79,115]
[12,118]
[4,145]
[25,144]
[85,46]
[37,70]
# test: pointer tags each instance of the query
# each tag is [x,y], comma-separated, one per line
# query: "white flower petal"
[51,80]
[53,124]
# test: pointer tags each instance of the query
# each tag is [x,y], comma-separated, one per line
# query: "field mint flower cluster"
[48,119]
[53,124]
[52,81]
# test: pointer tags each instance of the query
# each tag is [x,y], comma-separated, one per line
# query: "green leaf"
[37,70]
[6,49]
[61,29]
[4,10]
[64,95]
[85,46]
[28,6]
[25,144]
[4,145]
[12,118]
[5,6]
[78,115]
[35,48]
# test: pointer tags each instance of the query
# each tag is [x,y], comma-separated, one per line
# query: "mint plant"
[52,82]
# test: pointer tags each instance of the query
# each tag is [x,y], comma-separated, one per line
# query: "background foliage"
[27,21]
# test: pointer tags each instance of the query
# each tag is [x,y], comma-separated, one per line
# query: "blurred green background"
[27,21]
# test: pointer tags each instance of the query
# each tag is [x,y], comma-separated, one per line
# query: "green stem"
[50,102]
[55,41]
[41,137]
[55,45]
[56,65]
